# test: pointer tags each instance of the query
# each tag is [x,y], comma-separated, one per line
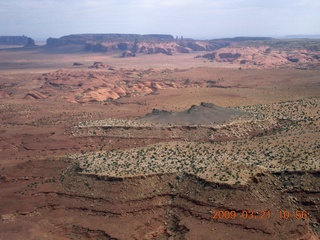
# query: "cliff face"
[135,43]
[24,41]
[13,40]
[109,38]
[30,43]
[180,206]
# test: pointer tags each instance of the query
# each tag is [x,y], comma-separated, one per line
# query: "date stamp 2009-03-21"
[261,215]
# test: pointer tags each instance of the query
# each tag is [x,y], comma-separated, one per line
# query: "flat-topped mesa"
[16,40]
[110,37]
[80,39]
[134,43]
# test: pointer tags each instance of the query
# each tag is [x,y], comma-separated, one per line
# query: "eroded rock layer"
[161,206]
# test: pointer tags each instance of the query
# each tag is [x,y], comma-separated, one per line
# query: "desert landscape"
[130,136]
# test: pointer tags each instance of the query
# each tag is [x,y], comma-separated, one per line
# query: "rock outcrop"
[16,40]
[83,39]
[4,95]
[128,53]
[135,43]
[30,43]
[35,95]
[265,57]
[99,65]
[205,113]
[107,83]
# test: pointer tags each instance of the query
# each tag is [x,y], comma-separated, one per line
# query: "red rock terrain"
[97,86]
[266,57]
[45,193]
[4,95]
[132,44]
[53,201]
[250,52]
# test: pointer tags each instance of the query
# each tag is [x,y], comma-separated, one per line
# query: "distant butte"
[134,43]
[247,52]
[17,41]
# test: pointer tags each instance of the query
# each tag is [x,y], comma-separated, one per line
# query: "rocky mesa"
[135,43]
[269,53]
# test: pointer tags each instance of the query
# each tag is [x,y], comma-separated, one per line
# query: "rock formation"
[265,57]
[35,95]
[205,113]
[108,83]
[135,43]
[128,53]
[30,43]
[15,40]
[99,65]
[4,95]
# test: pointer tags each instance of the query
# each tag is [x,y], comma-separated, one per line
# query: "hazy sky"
[190,18]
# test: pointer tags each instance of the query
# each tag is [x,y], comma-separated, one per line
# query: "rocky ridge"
[163,206]
[134,43]
[204,114]
[265,57]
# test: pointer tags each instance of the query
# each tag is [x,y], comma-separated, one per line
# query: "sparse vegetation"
[292,147]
